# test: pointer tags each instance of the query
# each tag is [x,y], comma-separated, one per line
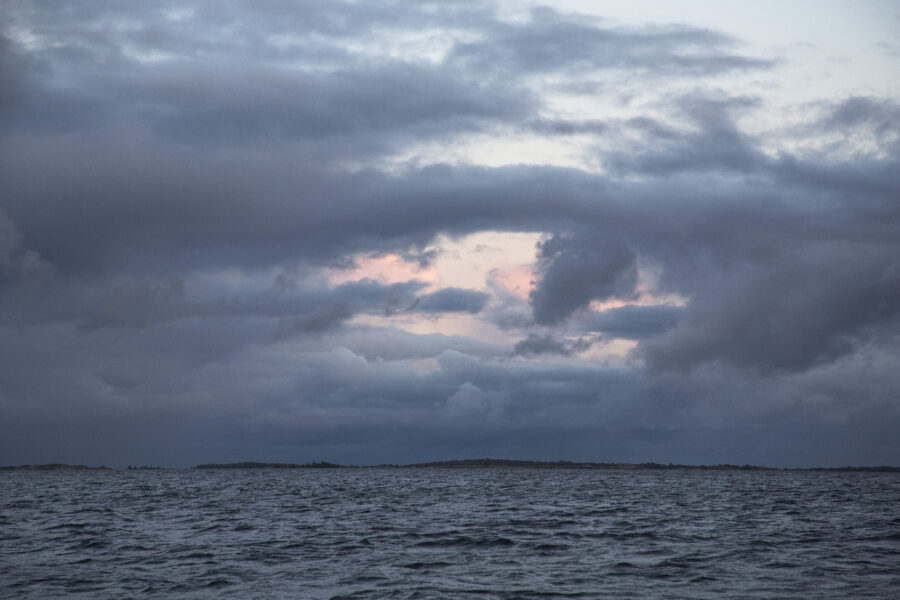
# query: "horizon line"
[459,463]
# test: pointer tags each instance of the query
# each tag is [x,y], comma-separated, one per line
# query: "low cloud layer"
[717,276]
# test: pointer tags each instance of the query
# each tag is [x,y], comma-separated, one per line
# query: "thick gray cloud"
[175,176]
[451,300]
[389,101]
[536,344]
[306,401]
[578,268]
[636,322]
[299,307]
[713,143]
[16,263]
[553,42]
[789,316]
[882,116]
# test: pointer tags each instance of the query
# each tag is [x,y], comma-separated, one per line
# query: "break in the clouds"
[400,231]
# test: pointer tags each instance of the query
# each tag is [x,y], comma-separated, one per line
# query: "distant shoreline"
[484,463]
[54,467]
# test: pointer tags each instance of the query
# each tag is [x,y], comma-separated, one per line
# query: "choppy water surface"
[432,533]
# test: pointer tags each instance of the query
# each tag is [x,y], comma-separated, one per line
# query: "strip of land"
[499,463]
[473,463]
[53,467]
[263,465]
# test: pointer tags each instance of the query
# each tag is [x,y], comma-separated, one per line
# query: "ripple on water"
[432,533]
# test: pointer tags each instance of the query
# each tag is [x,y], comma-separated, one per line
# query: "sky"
[395,232]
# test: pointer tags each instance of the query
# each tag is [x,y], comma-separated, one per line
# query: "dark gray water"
[444,533]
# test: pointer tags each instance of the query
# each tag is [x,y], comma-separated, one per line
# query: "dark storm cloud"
[17,264]
[305,400]
[298,308]
[317,319]
[165,196]
[786,269]
[391,100]
[636,322]
[539,344]
[789,316]
[245,86]
[29,102]
[137,304]
[247,211]
[581,267]
[536,344]
[451,300]
[367,294]
[771,285]
[700,236]
[680,226]
[242,86]
[173,178]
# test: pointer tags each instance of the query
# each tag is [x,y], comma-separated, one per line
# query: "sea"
[449,533]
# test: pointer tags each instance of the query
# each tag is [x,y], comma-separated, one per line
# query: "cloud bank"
[716,276]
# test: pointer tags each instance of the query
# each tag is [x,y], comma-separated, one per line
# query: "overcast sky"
[370,232]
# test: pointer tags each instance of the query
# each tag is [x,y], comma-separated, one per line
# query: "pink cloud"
[516,280]
[386,269]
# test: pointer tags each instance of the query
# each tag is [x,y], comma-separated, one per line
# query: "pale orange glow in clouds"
[492,261]
[385,269]
[500,263]
[644,294]
[515,280]
[469,262]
